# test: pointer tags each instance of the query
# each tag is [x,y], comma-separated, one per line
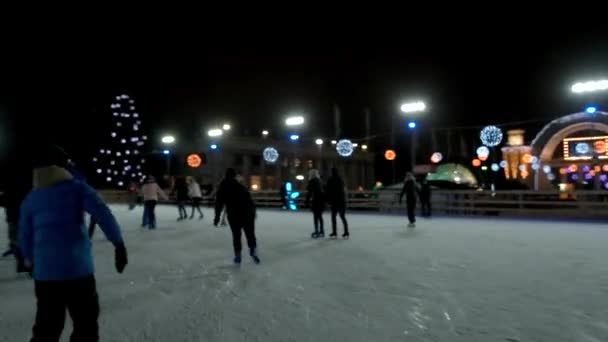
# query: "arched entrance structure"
[549,138]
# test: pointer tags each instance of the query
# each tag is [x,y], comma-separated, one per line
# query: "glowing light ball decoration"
[547,169]
[437,157]
[491,136]
[550,176]
[483,153]
[345,148]
[504,164]
[291,197]
[390,155]
[125,140]
[194,160]
[495,167]
[476,162]
[270,154]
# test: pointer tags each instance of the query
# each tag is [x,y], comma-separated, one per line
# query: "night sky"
[60,89]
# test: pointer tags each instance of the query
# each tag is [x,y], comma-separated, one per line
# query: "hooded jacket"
[52,233]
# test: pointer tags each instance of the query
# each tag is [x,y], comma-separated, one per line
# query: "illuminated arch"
[547,140]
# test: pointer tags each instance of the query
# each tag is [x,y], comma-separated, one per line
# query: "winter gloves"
[120,258]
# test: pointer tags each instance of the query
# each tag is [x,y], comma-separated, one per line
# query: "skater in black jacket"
[181,193]
[315,192]
[410,190]
[336,196]
[425,198]
[241,213]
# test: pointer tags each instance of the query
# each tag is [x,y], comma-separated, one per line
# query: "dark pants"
[335,210]
[196,204]
[317,214]
[181,208]
[239,225]
[79,297]
[149,219]
[132,200]
[411,211]
[425,207]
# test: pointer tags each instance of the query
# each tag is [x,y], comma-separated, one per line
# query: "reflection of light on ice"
[447,316]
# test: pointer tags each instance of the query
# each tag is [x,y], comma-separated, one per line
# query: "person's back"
[335,190]
[150,191]
[235,197]
[194,190]
[54,239]
[53,232]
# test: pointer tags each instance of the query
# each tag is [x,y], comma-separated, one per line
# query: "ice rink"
[449,279]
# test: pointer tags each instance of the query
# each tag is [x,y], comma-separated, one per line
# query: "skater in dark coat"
[181,193]
[241,212]
[410,190]
[336,196]
[315,192]
[54,240]
[425,198]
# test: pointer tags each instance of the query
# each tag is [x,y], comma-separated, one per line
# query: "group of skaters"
[333,193]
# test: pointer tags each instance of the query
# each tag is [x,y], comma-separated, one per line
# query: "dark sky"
[60,88]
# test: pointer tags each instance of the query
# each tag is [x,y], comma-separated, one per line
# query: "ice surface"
[450,279]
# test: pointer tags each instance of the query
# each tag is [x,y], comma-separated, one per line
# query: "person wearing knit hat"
[53,238]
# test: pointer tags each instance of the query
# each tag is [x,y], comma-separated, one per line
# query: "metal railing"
[581,204]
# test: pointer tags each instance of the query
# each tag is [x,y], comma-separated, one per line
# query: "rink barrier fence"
[581,204]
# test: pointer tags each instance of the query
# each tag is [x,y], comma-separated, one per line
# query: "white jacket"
[194,190]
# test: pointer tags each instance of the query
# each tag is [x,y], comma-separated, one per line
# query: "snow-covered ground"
[450,279]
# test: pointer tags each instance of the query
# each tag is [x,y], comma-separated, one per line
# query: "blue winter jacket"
[52,232]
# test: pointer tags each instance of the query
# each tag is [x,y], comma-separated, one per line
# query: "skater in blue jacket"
[53,238]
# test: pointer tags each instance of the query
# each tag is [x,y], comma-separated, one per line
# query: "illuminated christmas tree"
[120,161]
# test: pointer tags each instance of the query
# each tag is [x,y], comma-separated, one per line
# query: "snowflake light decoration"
[491,136]
[344,148]
[270,154]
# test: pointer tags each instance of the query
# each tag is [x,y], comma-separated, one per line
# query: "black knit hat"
[50,155]
[230,173]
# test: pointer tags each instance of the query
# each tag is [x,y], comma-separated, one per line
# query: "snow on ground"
[449,279]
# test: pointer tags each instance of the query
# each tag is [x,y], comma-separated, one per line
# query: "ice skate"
[333,236]
[314,235]
[321,235]
[254,256]
[411,225]
[237,260]
[345,236]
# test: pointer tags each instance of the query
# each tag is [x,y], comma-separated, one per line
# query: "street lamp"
[294,121]
[589,86]
[265,133]
[168,139]
[226,127]
[319,142]
[413,107]
[215,132]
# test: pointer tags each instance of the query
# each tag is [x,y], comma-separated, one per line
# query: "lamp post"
[410,109]
[167,140]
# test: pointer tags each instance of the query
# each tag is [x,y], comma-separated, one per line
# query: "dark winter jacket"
[236,198]
[334,191]
[315,191]
[181,190]
[52,232]
[425,192]
[409,190]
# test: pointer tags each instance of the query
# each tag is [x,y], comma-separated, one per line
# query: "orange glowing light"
[524,174]
[605,167]
[562,171]
[599,147]
[476,162]
[194,160]
[527,158]
[597,168]
[573,168]
[390,155]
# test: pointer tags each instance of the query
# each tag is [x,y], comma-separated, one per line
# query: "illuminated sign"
[585,148]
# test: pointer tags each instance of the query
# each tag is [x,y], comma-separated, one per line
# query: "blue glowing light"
[292,206]
[411,124]
[213,146]
[288,186]
[294,195]
[591,109]
[166,152]
[294,137]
